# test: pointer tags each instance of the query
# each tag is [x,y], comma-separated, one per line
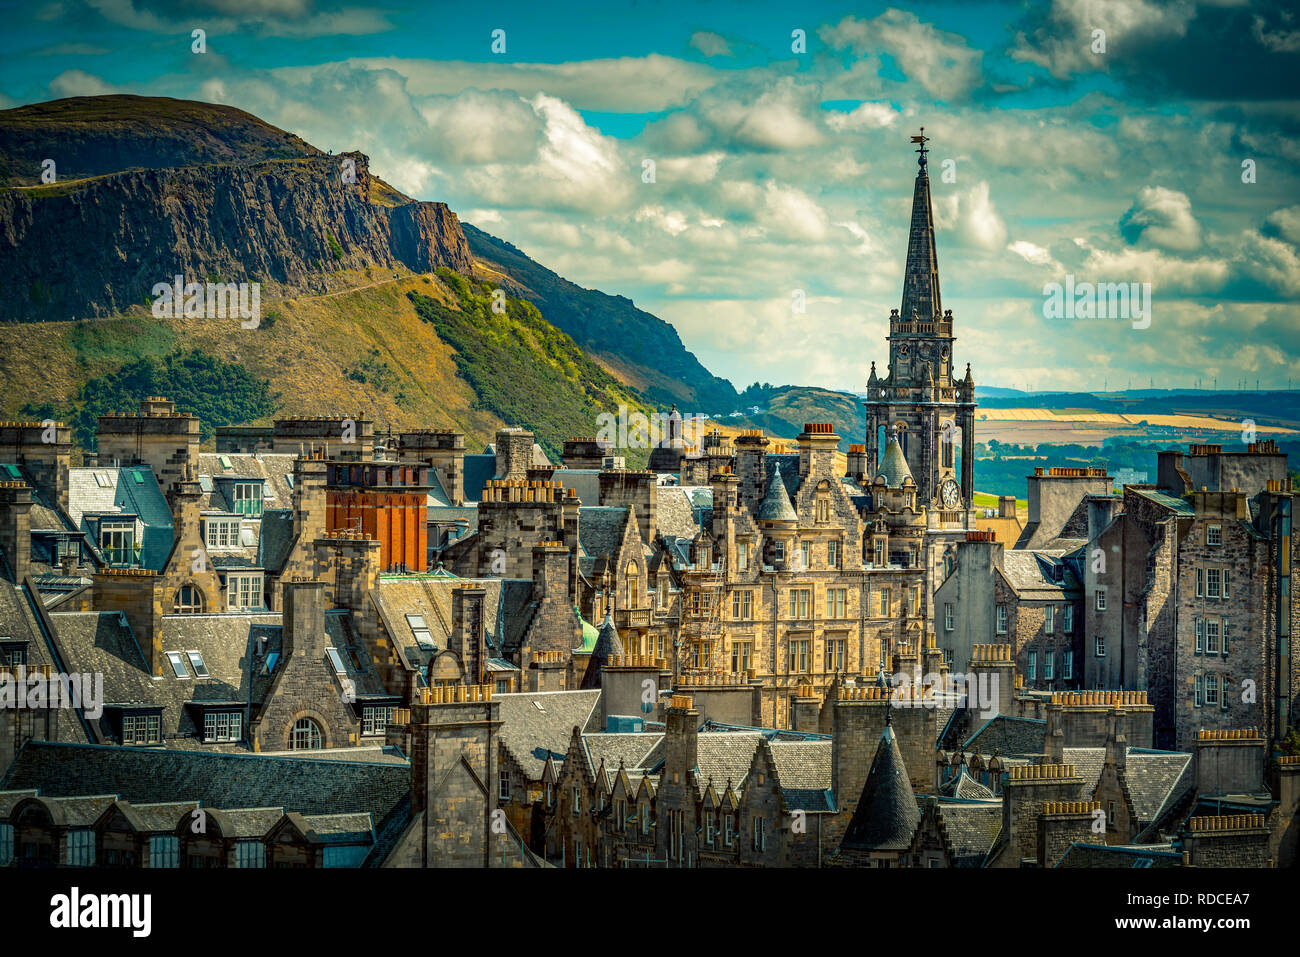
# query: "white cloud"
[867,116]
[1162,217]
[710,44]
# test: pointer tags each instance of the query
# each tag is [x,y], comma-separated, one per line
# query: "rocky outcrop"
[94,247]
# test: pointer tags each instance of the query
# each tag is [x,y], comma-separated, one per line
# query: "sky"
[1074,141]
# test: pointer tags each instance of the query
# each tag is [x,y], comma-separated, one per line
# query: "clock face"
[950,493]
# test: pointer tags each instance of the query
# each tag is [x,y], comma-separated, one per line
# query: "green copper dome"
[589,635]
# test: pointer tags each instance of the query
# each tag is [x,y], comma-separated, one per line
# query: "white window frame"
[1049,619]
[1099,646]
[1214,535]
[222,726]
[1001,619]
[948,616]
[1100,599]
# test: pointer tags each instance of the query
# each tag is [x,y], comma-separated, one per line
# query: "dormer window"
[117,542]
[248,498]
[222,532]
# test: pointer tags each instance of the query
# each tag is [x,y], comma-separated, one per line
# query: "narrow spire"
[921,272]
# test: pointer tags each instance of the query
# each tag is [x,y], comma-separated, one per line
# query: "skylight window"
[420,630]
[102,480]
[271,659]
[225,462]
[177,661]
[13,471]
[196,662]
[138,476]
[336,660]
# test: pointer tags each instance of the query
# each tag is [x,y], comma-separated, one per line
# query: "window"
[1067,664]
[1049,619]
[420,630]
[1211,636]
[248,498]
[1212,579]
[1049,665]
[177,661]
[6,844]
[947,616]
[1200,583]
[196,662]
[306,736]
[620,815]
[1032,668]
[80,849]
[1101,601]
[728,829]
[836,652]
[710,827]
[222,725]
[117,541]
[188,601]
[742,556]
[833,554]
[805,555]
[837,602]
[1225,583]
[577,800]
[760,833]
[1200,636]
[1002,619]
[1211,689]
[1214,535]
[799,656]
[250,854]
[633,575]
[823,510]
[102,479]
[503,686]
[1099,646]
[165,851]
[742,653]
[13,655]
[643,812]
[1067,624]
[800,603]
[336,661]
[742,605]
[243,591]
[221,532]
[503,785]
[1198,692]
[880,553]
[376,719]
[916,600]
[778,551]
[1225,636]
[884,603]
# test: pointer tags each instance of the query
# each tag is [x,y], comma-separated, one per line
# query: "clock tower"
[919,402]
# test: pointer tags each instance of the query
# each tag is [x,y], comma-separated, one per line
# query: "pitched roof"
[886,816]
[1102,855]
[608,645]
[538,725]
[804,770]
[124,491]
[972,828]
[966,788]
[1008,736]
[275,468]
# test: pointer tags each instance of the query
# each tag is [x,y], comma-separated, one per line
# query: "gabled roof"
[966,788]
[804,770]
[887,815]
[129,490]
[972,826]
[1008,736]
[535,726]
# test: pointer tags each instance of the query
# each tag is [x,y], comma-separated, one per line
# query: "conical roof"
[776,505]
[590,634]
[886,817]
[894,468]
[608,645]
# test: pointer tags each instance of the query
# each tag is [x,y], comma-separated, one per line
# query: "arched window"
[633,586]
[306,736]
[188,601]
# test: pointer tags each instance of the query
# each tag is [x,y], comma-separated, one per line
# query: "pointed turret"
[894,468]
[776,505]
[608,645]
[886,817]
[921,272]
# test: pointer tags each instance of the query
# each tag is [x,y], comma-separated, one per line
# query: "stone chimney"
[624,683]
[158,436]
[805,709]
[555,626]
[637,490]
[1006,506]
[442,450]
[857,464]
[1227,840]
[468,639]
[994,669]
[817,445]
[1286,833]
[681,738]
[514,450]
[547,671]
[1027,788]
[16,528]
[44,450]
[858,720]
[304,620]
[751,465]
[1063,823]
[583,453]
[137,593]
[1229,761]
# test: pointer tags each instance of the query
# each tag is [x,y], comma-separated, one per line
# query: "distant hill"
[149,187]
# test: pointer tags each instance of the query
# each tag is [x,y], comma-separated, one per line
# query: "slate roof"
[789,468]
[966,788]
[972,828]
[675,515]
[1177,505]
[131,490]
[724,756]
[274,467]
[537,725]
[251,822]
[631,750]
[340,828]
[152,775]
[776,506]
[600,532]
[1157,780]
[1010,737]
[887,816]
[1030,574]
[276,538]
[804,770]
[584,482]
[894,465]
[1101,855]
[478,471]
[45,515]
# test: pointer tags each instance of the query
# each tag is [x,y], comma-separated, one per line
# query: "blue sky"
[779,171]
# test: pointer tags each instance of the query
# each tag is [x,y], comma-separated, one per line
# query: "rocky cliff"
[95,246]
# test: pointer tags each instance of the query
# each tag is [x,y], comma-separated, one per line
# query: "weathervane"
[922,139]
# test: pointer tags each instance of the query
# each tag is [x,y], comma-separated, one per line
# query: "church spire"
[921,272]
